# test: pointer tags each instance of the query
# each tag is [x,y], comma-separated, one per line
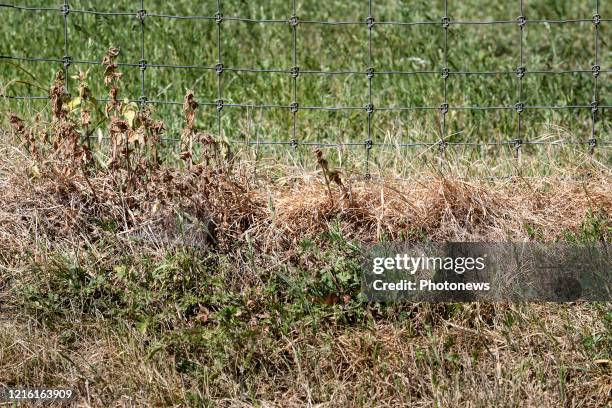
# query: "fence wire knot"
[520,107]
[369,108]
[142,64]
[595,70]
[368,144]
[219,103]
[65,9]
[143,100]
[596,19]
[218,18]
[141,15]
[521,20]
[592,145]
[295,72]
[520,72]
[67,61]
[517,143]
[294,143]
[445,22]
[294,20]
[294,106]
[442,145]
[370,22]
[445,72]
[594,106]
[370,72]
[219,68]
[444,108]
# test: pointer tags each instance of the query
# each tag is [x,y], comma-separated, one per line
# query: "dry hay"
[444,209]
[44,200]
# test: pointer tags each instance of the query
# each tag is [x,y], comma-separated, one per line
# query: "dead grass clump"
[69,195]
[440,208]
[72,206]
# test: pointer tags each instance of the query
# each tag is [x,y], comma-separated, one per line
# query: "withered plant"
[191,134]
[331,176]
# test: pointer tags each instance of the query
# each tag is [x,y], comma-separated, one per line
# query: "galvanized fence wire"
[370,23]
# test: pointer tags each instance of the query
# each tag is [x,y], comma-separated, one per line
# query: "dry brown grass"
[57,200]
[50,198]
[45,199]
[445,208]
[474,360]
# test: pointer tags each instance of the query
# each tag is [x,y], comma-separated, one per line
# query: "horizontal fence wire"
[369,23]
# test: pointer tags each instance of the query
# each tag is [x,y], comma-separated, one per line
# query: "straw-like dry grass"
[84,260]
[53,203]
[140,282]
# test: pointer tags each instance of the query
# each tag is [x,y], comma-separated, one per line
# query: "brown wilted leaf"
[17,123]
[118,126]
[334,176]
[57,95]
[190,105]
[85,117]
[137,135]
[205,138]
[110,72]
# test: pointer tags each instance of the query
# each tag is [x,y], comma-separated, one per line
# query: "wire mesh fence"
[594,108]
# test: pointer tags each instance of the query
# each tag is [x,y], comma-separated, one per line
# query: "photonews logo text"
[486,271]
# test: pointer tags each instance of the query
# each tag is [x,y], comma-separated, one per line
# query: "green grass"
[330,48]
[183,327]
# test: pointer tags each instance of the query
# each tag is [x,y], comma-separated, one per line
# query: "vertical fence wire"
[143,62]
[595,69]
[66,59]
[520,73]
[219,68]
[295,72]
[369,107]
[445,76]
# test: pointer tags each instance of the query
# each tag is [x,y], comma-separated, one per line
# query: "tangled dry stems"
[46,199]
[54,187]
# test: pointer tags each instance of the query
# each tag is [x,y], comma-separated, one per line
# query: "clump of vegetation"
[131,186]
[165,282]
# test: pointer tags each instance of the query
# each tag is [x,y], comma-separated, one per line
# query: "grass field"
[484,48]
[143,273]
